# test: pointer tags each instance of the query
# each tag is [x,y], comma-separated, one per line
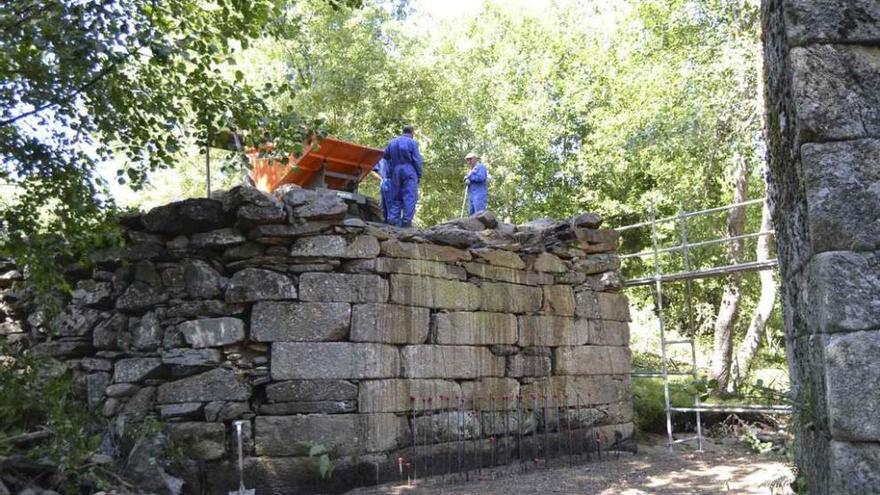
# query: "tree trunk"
[728,310]
[755,334]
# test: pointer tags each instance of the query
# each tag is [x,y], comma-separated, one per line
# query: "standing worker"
[381,171]
[405,165]
[476,181]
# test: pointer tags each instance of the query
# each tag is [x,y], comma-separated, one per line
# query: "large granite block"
[434,293]
[432,252]
[342,287]
[219,384]
[335,246]
[843,291]
[552,331]
[435,361]
[510,298]
[401,395]
[591,360]
[333,360]
[407,266]
[851,373]
[390,324]
[299,322]
[602,305]
[474,328]
[289,435]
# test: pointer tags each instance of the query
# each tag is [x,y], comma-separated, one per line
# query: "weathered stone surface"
[121,390]
[138,297]
[202,281]
[492,272]
[197,309]
[184,410]
[341,287]
[244,251]
[326,206]
[524,365]
[546,262]
[287,435]
[389,323]
[96,384]
[299,322]
[63,348]
[185,217]
[850,364]
[311,390]
[591,360]
[552,331]
[829,21]
[134,370]
[481,390]
[92,294]
[842,182]
[309,407]
[335,246]
[474,328]
[428,361]
[397,249]
[146,333]
[201,441]
[219,239]
[217,384]
[448,427]
[227,411]
[251,215]
[453,236]
[605,332]
[835,91]
[596,263]
[586,221]
[76,322]
[192,357]
[105,333]
[434,293]
[844,291]
[499,257]
[598,389]
[141,404]
[212,332]
[853,468]
[396,395]
[254,284]
[602,305]
[602,282]
[288,231]
[407,266]
[503,349]
[510,298]
[558,300]
[328,360]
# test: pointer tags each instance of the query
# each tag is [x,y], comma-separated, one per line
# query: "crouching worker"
[380,171]
[476,180]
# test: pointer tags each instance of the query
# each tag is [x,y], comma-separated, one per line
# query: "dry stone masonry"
[823,115]
[315,327]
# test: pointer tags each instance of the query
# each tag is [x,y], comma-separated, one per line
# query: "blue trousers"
[404,195]
[477,199]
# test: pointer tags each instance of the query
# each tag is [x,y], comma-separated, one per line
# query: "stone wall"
[823,113]
[292,313]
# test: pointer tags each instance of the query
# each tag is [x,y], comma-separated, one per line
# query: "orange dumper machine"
[332,164]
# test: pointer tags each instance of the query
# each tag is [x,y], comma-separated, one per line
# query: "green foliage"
[649,401]
[325,465]
[36,396]
[132,82]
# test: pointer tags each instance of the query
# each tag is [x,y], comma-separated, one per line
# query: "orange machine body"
[332,164]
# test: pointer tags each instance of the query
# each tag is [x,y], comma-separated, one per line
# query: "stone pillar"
[823,135]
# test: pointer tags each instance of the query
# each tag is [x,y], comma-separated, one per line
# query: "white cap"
[470,155]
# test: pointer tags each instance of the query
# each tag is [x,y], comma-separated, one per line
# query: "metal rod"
[705,273]
[492,438]
[460,430]
[534,428]
[579,446]
[744,408]
[691,330]
[664,368]
[479,443]
[684,245]
[546,430]
[430,431]
[690,214]
[506,430]
[448,436]
[570,436]
[415,434]
[425,441]
[519,427]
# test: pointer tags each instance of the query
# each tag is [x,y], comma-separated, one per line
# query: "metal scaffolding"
[688,275]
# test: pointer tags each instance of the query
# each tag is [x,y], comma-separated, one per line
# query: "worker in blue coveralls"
[405,164]
[476,180]
[380,170]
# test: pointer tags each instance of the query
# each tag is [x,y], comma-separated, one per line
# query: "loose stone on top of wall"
[313,327]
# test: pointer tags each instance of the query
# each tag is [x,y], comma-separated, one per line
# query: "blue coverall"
[381,168]
[405,163]
[478,196]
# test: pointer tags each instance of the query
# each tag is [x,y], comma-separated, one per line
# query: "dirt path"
[721,469]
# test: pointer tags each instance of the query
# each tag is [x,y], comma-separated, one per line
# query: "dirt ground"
[654,470]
